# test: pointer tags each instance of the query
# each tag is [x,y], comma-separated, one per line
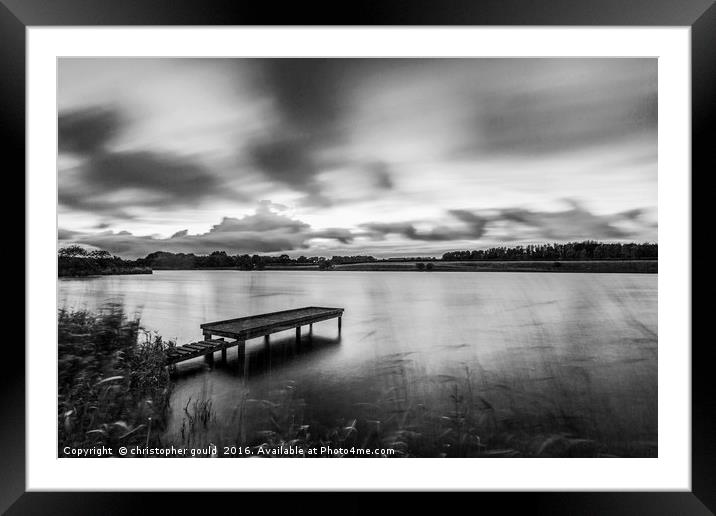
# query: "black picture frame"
[17,15]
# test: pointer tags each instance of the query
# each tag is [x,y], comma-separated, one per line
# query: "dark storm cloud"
[310,94]
[114,181]
[475,223]
[109,181]
[89,198]
[287,159]
[171,176]
[265,231]
[378,230]
[344,236]
[88,130]
[574,223]
[381,175]
[471,226]
[311,97]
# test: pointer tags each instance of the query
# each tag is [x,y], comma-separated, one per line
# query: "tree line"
[587,250]
[220,259]
[76,260]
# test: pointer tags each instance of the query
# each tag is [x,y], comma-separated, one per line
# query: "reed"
[468,429]
[113,384]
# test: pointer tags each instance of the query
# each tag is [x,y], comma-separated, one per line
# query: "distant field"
[641,266]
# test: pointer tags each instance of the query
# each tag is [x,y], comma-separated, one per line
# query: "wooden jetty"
[244,328]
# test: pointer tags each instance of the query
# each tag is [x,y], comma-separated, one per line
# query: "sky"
[389,157]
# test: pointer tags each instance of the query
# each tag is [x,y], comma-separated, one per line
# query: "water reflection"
[283,351]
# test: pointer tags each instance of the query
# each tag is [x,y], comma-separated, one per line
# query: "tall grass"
[113,384]
[466,426]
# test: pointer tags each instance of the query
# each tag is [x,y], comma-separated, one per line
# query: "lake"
[546,362]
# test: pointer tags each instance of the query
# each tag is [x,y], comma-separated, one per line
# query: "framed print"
[419,246]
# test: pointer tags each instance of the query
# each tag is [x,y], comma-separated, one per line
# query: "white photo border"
[670,471]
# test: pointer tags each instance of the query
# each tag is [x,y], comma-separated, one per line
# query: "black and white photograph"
[357,257]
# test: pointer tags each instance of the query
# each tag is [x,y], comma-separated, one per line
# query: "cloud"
[312,100]
[170,176]
[355,144]
[476,223]
[114,182]
[470,231]
[310,94]
[87,130]
[574,223]
[344,236]
[264,231]
[264,219]
[287,159]
[381,175]
[269,231]
[587,104]
[471,226]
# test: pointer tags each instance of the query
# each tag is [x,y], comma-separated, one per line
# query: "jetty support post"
[241,355]
[340,323]
[209,357]
[267,349]
[223,351]
[298,337]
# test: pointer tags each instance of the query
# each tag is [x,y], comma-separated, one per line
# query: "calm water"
[540,353]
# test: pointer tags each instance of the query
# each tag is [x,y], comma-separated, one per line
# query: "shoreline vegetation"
[113,386]
[114,390]
[76,261]
[587,256]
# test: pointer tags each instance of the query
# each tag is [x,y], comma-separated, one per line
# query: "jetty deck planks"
[243,328]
